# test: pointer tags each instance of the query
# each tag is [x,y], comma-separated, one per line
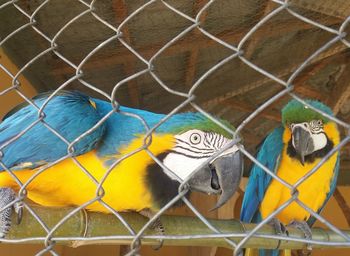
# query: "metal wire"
[237,52]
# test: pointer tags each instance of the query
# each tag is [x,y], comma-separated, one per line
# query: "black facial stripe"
[211,141]
[315,126]
[188,144]
[219,141]
[196,152]
[222,141]
[319,132]
[183,141]
[206,141]
[216,141]
[189,156]
[194,147]
[315,131]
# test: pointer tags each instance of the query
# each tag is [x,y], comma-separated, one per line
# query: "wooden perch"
[98,224]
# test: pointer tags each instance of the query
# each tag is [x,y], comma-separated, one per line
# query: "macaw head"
[197,141]
[312,134]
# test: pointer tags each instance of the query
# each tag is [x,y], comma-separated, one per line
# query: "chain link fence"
[235,52]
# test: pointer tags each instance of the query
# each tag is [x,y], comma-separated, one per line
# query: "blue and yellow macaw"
[291,151]
[183,143]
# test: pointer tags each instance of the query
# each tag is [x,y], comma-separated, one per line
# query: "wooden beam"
[308,92]
[245,107]
[187,44]
[342,204]
[345,165]
[266,8]
[341,91]
[194,52]
[301,85]
[121,13]
[250,137]
[344,177]
[339,8]
[330,55]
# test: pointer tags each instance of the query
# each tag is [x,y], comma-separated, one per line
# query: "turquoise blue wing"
[312,219]
[69,113]
[259,180]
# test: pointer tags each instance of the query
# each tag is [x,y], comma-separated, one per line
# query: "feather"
[259,180]
[69,113]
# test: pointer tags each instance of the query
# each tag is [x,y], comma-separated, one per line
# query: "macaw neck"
[122,129]
[104,107]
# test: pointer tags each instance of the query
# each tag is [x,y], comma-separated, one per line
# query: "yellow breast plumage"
[312,192]
[65,183]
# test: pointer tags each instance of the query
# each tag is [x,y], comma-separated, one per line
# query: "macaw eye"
[319,122]
[291,126]
[195,138]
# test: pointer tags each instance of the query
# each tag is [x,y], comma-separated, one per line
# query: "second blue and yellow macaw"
[291,151]
[183,143]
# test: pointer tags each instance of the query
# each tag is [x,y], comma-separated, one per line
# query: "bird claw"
[155,225]
[159,228]
[280,229]
[18,206]
[304,227]
[7,195]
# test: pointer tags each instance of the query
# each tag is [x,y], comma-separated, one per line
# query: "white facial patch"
[181,165]
[192,149]
[319,139]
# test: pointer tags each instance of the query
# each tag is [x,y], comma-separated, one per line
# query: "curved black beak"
[221,176]
[302,142]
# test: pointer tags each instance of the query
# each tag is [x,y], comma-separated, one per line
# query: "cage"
[239,61]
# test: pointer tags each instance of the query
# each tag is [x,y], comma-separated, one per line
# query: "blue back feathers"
[71,113]
[121,129]
[259,180]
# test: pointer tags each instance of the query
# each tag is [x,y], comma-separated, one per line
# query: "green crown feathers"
[297,112]
[186,121]
[208,125]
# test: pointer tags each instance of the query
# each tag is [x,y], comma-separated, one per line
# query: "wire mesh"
[236,52]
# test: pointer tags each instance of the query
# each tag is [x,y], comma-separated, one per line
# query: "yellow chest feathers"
[65,184]
[312,192]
